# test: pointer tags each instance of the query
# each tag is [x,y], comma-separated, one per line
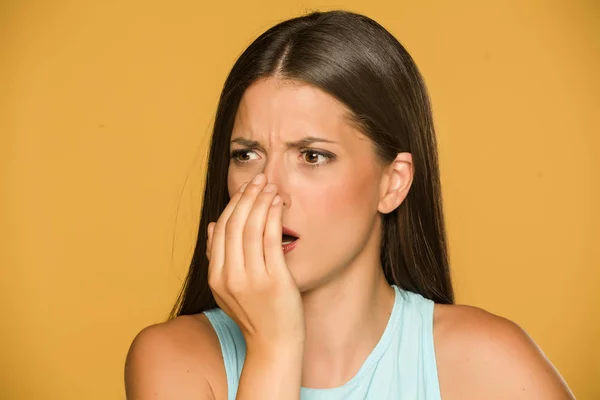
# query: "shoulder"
[481,355]
[180,358]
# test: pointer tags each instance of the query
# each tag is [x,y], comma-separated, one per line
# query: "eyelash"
[327,156]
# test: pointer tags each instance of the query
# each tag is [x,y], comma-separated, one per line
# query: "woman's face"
[330,187]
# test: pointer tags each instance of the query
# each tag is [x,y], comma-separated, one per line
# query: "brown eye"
[311,157]
[241,156]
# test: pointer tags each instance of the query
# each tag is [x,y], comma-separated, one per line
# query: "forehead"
[274,106]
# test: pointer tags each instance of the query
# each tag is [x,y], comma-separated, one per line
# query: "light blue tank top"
[401,366]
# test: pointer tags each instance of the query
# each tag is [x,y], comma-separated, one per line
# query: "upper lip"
[288,231]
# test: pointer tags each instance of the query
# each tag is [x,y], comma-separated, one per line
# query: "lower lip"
[289,247]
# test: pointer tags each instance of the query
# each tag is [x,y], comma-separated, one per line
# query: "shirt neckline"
[373,357]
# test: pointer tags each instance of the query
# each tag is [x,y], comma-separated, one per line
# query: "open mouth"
[288,243]
[287,239]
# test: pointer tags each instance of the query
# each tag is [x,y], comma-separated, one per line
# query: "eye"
[241,156]
[313,159]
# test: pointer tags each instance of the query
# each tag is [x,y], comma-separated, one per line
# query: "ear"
[395,183]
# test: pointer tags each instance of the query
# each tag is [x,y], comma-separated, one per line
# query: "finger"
[217,248]
[255,228]
[234,251]
[274,258]
[210,230]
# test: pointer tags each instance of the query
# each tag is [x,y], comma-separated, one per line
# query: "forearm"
[272,374]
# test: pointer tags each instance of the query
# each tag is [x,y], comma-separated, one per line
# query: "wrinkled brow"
[304,142]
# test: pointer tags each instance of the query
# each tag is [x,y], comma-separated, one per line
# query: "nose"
[275,174]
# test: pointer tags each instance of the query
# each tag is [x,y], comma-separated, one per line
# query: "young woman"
[321,269]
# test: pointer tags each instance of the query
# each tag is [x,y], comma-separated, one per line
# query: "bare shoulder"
[481,355]
[178,359]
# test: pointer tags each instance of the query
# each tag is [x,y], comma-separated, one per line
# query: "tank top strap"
[233,347]
[417,332]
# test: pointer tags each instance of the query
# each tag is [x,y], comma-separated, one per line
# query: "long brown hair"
[357,61]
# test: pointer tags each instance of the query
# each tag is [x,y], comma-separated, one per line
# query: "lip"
[288,231]
[289,247]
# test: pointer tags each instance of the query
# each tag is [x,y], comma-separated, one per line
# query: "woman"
[326,277]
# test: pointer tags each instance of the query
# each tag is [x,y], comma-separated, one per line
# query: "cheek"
[237,176]
[344,202]
[232,184]
[235,180]
[340,221]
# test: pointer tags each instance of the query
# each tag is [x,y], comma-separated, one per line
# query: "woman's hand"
[247,271]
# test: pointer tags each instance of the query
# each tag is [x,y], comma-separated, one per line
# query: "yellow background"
[105,112]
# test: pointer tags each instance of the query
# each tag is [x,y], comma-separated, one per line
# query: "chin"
[304,279]
[308,278]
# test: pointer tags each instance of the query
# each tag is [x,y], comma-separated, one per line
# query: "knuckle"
[249,193]
[234,284]
[231,225]
[254,189]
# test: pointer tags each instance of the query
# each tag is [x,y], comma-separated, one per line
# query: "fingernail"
[276,200]
[270,187]
[243,187]
[258,179]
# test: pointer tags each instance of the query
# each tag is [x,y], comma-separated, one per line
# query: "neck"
[345,319]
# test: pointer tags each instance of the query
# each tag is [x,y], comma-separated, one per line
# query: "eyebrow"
[304,142]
